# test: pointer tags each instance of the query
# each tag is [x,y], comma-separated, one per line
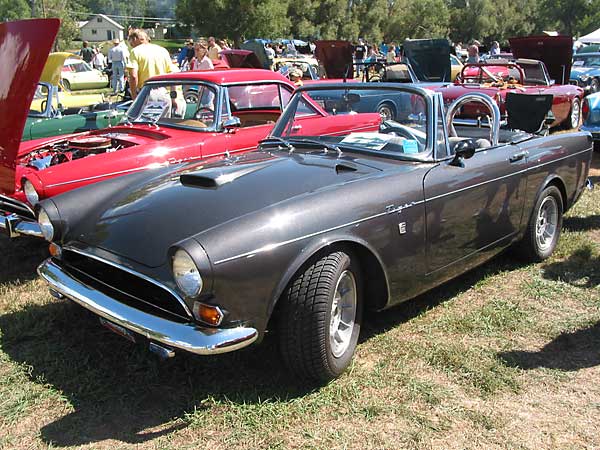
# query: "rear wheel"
[544,226]
[575,114]
[387,111]
[66,84]
[320,318]
[594,86]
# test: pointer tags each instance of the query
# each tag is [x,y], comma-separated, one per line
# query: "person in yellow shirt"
[146,60]
[213,48]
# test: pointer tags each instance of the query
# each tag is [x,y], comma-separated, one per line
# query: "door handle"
[518,157]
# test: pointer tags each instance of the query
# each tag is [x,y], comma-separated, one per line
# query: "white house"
[100,28]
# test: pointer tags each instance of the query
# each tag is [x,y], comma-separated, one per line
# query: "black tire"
[306,313]
[594,86]
[387,111]
[533,247]
[574,118]
[66,84]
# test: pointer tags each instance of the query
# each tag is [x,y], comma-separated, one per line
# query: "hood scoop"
[214,178]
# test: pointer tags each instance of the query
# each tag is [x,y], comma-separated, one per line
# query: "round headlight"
[30,193]
[186,274]
[45,225]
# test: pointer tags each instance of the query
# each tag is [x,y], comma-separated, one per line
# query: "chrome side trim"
[316,233]
[132,272]
[189,337]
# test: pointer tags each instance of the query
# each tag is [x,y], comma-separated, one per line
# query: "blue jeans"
[118,76]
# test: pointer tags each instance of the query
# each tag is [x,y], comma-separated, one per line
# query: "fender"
[550,179]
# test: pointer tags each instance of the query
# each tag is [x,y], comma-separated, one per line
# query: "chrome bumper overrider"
[14,226]
[189,337]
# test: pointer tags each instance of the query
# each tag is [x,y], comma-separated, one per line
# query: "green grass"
[505,356]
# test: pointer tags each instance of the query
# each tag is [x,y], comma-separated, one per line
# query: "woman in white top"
[201,61]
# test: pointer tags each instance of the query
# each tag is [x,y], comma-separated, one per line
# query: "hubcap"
[546,223]
[343,314]
[385,112]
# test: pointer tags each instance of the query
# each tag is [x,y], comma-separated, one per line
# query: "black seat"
[527,112]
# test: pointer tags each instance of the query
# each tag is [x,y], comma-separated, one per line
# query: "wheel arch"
[376,286]
[552,180]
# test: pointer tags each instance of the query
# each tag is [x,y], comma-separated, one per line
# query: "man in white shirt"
[118,56]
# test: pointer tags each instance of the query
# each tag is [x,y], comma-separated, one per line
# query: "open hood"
[336,58]
[53,67]
[240,59]
[429,58]
[556,52]
[24,46]
[257,46]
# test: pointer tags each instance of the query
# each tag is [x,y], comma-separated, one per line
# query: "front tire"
[544,227]
[320,318]
[574,118]
[387,111]
[66,84]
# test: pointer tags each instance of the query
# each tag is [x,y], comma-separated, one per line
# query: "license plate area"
[118,329]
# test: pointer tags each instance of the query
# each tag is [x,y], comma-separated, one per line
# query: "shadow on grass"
[582,223]
[118,390]
[568,352]
[20,258]
[581,269]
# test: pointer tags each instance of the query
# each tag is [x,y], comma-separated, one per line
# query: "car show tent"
[592,38]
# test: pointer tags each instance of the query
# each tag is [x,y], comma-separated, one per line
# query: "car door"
[473,208]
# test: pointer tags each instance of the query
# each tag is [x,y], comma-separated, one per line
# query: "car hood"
[53,67]
[336,58]
[577,72]
[143,221]
[556,52]
[24,46]
[246,59]
[429,58]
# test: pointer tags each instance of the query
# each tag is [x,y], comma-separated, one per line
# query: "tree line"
[373,20]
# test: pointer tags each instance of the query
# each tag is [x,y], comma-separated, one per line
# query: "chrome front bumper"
[185,336]
[14,226]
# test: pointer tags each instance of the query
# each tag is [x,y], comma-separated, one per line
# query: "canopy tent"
[592,38]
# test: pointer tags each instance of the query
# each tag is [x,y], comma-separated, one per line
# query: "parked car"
[77,74]
[497,78]
[585,72]
[176,117]
[305,234]
[455,67]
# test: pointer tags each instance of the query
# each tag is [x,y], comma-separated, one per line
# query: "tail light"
[585,110]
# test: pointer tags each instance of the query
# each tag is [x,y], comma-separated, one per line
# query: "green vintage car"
[49,117]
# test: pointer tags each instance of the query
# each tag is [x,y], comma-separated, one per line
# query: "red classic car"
[175,118]
[542,75]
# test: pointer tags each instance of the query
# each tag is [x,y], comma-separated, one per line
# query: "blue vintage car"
[591,116]
[585,72]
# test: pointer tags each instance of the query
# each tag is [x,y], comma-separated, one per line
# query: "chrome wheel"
[546,223]
[386,112]
[575,113]
[343,313]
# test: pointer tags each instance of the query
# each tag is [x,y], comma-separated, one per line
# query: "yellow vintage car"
[52,76]
[76,74]
[455,67]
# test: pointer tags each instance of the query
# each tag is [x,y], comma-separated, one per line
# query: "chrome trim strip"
[95,177]
[189,336]
[132,272]
[269,247]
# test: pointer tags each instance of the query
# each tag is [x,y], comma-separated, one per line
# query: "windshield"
[182,105]
[586,61]
[390,122]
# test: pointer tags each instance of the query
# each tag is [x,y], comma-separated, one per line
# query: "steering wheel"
[399,130]
[204,112]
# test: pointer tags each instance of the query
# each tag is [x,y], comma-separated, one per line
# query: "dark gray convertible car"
[304,234]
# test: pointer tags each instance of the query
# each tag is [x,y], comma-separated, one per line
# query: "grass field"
[506,356]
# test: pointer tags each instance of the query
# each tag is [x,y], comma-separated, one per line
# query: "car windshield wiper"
[275,141]
[304,142]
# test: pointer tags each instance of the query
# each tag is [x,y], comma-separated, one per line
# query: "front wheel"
[594,86]
[575,114]
[544,226]
[66,84]
[320,318]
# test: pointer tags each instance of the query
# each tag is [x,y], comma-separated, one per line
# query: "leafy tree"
[416,20]
[14,10]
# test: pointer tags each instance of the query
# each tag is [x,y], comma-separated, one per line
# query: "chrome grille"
[10,205]
[124,286]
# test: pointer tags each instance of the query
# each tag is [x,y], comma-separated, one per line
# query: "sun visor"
[53,68]
[24,47]
[556,52]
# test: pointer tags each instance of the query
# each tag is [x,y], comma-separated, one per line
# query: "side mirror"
[552,82]
[463,150]
[232,123]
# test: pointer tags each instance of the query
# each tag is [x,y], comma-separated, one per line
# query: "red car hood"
[24,47]
[556,52]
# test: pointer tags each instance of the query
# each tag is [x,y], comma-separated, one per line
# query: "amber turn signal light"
[55,250]
[209,314]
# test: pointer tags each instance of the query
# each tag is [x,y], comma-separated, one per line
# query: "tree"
[416,20]
[14,10]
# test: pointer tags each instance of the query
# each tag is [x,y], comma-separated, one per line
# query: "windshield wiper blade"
[315,143]
[273,140]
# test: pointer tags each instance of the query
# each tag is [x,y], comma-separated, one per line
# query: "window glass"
[254,96]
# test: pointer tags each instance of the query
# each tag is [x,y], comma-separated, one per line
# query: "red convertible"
[497,78]
[175,118]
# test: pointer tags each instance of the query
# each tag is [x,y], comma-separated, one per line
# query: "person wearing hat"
[296,76]
[117,58]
